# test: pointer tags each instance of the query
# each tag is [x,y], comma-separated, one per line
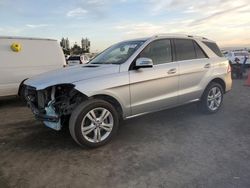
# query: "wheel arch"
[112,100]
[221,82]
[215,80]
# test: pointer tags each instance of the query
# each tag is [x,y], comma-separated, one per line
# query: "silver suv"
[128,79]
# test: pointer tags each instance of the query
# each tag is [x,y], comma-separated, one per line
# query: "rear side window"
[159,51]
[199,52]
[214,48]
[184,49]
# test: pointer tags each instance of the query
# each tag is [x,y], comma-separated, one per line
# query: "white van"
[22,58]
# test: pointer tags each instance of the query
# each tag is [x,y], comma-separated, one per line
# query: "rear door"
[155,88]
[194,68]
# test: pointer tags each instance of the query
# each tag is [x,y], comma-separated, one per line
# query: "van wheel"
[93,123]
[212,98]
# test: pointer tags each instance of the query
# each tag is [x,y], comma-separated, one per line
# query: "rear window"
[214,48]
[74,58]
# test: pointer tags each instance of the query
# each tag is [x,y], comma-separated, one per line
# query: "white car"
[240,55]
[77,59]
[22,58]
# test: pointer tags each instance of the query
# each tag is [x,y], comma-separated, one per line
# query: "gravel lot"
[174,148]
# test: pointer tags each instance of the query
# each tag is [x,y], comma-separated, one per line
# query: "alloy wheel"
[97,125]
[214,98]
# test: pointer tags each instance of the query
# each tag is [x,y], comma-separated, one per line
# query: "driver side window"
[159,51]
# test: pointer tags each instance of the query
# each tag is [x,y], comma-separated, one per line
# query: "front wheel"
[212,98]
[93,123]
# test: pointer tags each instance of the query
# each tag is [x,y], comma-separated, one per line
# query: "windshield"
[118,53]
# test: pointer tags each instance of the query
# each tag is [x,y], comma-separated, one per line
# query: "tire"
[81,119]
[209,97]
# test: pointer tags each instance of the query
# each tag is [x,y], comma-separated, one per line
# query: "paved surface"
[174,148]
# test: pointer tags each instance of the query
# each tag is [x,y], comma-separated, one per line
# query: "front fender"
[115,85]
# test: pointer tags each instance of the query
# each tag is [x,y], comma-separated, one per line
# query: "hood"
[70,75]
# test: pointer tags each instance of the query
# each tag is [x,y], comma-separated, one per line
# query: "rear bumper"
[228,82]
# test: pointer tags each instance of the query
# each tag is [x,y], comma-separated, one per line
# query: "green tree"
[76,50]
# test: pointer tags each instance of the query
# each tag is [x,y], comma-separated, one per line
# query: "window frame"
[207,43]
[194,42]
[132,65]
[206,56]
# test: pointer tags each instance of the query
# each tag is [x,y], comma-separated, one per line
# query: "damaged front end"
[54,104]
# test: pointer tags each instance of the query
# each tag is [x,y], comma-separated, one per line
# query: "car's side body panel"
[192,75]
[153,88]
[115,85]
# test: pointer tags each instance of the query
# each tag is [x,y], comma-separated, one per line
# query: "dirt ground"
[174,148]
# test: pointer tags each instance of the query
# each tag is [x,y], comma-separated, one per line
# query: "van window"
[199,52]
[214,48]
[159,51]
[184,49]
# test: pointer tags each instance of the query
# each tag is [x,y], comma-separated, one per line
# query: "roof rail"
[178,34]
[169,34]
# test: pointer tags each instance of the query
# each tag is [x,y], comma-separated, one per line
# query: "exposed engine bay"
[54,104]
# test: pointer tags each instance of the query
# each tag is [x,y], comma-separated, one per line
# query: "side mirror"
[144,63]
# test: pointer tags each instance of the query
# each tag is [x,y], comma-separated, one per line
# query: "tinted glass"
[74,58]
[214,48]
[159,51]
[184,49]
[199,52]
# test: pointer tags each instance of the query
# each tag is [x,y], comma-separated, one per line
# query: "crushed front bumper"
[48,116]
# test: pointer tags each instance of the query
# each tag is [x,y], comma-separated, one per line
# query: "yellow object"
[16,47]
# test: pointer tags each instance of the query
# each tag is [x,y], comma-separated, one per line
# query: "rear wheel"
[93,123]
[212,98]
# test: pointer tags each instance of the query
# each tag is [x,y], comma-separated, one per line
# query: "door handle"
[207,66]
[172,71]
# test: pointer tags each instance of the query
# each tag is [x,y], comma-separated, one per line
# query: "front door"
[155,88]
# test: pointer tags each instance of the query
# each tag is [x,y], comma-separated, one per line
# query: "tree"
[76,50]
[66,51]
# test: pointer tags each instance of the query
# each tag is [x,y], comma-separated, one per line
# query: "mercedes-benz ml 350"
[131,78]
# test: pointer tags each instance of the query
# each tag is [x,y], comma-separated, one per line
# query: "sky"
[106,22]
